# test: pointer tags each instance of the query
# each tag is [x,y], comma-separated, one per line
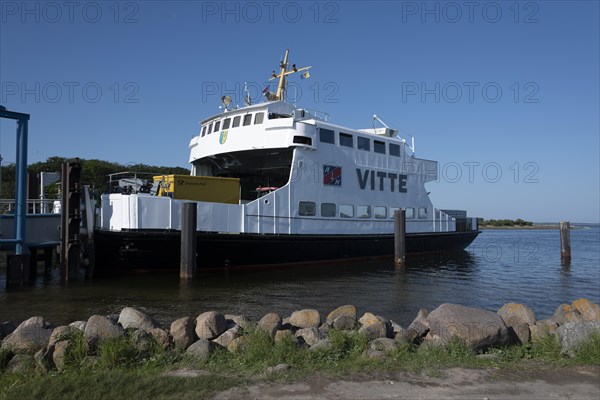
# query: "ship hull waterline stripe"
[160,250]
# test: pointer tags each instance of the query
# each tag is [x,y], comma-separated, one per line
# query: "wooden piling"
[187,265]
[565,242]
[17,270]
[400,237]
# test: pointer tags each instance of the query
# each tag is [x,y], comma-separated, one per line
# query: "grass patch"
[117,383]
[121,369]
[589,351]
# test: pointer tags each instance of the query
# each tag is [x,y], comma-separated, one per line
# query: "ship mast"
[283,73]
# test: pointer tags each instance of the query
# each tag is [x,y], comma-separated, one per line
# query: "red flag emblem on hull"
[332,175]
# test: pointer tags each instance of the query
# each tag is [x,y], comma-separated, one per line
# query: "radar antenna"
[282,80]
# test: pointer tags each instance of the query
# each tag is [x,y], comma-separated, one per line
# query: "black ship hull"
[131,251]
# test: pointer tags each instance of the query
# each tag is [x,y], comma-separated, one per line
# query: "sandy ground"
[455,383]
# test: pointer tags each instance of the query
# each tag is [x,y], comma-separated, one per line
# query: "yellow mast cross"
[284,72]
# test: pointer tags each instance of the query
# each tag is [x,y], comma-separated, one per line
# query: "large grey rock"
[310,335]
[182,332]
[572,335]
[478,328]
[60,353]
[420,326]
[142,341]
[79,325]
[344,323]
[210,325]
[239,320]
[136,319]
[542,328]
[43,359]
[590,312]
[519,333]
[516,313]
[270,324]
[60,333]
[307,318]
[161,337]
[228,336]
[200,350]
[99,328]
[21,363]
[31,335]
[284,334]
[383,344]
[566,313]
[368,319]
[347,311]
[518,318]
[404,335]
[376,330]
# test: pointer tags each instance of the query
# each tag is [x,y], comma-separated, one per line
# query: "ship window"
[393,211]
[379,147]
[364,212]
[258,118]
[303,140]
[217,125]
[236,121]
[307,208]
[327,210]
[326,136]
[363,143]
[394,150]
[410,213]
[209,129]
[346,211]
[204,130]
[247,119]
[380,212]
[346,140]
[226,123]
[277,116]
[422,213]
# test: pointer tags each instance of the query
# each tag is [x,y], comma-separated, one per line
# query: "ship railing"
[131,182]
[317,113]
[34,206]
[443,222]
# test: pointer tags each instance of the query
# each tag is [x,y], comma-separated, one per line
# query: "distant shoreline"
[520,227]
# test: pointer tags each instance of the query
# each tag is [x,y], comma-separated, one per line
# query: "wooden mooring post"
[187,265]
[400,238]
[565,243]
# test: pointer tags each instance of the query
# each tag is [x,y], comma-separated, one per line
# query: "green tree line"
[504,222]
[93,172]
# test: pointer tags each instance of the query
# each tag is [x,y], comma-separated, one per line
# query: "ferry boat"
[298,190]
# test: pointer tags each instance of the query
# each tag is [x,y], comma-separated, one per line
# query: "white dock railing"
[34,206]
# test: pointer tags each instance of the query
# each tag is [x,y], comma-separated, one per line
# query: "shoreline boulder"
[182,331]
[99,328]
[478,328]
[210,325]
[136,319]
[572,335]
[32,334]
[307,318]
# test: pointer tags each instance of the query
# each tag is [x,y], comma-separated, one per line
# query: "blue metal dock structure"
[20,181]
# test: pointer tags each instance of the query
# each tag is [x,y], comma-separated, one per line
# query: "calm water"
[499,267]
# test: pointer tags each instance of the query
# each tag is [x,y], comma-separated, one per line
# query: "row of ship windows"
[362,143]
[331,210]
[235,122]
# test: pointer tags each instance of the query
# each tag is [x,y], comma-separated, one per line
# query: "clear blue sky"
[505,95]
